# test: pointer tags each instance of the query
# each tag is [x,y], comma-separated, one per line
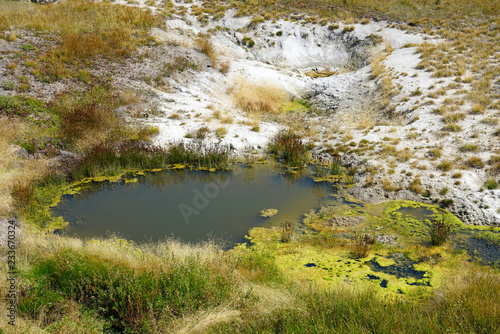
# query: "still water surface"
[194,204]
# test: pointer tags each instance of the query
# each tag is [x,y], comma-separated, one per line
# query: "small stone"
[19,151]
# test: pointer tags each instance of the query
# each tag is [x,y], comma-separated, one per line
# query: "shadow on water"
[190,204]
[420,213]
[402,268]
[483,246]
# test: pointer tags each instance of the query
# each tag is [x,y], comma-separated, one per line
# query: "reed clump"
[362,244]
[336,167]
[439,230]
[289,146]
[199,154]
[286,232]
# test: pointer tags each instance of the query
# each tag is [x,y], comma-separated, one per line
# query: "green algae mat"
[399,259]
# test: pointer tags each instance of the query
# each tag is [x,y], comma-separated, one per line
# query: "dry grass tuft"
[259,98]
[205,46]
[202,321]
[366,119]
[9,130]
[387,185]
[206,252]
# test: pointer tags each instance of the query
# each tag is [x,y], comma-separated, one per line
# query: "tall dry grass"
[348,10]
[9,130]
[16,175]
[205,46]
[81,31]
[258,97]
[86,26]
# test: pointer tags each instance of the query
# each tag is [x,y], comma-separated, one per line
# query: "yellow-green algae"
[268,213]
[336,265]
[293,106]
[386,216]
[329,178]
[304,261]
[489,237]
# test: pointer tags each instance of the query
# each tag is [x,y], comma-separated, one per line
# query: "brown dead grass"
[79,17]
[259,97]
[82,30]
[205,46]
[16,176]
[9,130]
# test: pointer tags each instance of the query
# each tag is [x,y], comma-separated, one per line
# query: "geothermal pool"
[194,205]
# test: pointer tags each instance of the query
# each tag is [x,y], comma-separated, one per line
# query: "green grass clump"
[290,147]
[286,232]
[42,122]
[129,298]
[20,106]
[111,158]
[491,184]
[201,155]
[336,167]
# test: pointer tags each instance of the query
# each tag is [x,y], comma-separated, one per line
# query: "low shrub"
[439,230]
[362,244]
[289,146]
[336,167]
[286,232]
[88,119]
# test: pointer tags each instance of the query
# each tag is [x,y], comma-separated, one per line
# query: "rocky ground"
[386,125]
